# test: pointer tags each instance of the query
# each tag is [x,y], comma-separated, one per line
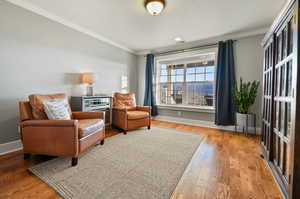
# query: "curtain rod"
[186,49]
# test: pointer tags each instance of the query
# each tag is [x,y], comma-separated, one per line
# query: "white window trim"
[187,108]
[179,56]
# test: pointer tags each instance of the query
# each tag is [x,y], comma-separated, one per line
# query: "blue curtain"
[149,99]
[225,81]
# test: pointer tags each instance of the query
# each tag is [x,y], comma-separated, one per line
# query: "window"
[186,81]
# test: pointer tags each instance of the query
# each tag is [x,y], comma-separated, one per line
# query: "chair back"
[34,109]
[124,100]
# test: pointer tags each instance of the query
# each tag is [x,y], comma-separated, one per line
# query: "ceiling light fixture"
[155,7]
[178,40]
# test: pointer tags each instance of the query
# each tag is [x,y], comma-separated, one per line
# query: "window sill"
[187,108]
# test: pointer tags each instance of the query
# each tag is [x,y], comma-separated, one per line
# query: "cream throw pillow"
[57,109]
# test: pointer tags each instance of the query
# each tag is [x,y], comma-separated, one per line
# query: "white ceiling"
[127,24]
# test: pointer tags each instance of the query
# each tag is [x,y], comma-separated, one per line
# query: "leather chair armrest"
[50,137]
[88,115]
[120,118]
[144,108]
[49,123]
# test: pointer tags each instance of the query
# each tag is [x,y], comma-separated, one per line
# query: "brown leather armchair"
[67,138]
[127,115]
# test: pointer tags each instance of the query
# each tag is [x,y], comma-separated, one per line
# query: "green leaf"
[245,96]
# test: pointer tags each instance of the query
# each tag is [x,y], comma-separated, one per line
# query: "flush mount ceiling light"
[155,7]
[178,40]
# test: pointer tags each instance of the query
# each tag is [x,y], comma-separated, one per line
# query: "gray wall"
[249,65]
[202,116]
[41,56]
[248,59]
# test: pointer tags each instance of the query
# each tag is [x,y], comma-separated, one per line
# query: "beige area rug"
[144,164]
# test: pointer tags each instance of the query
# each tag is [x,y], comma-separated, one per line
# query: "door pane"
[270,55]
[282,80]
[275,149]
[284,43]
[291,36]
[287,160]
[276,82]
[266,55]
[275,115]
[279,117]
[270,84]
[288,119]
[278,150]
[289,79]
[279,46]
[282,118]
[284,158]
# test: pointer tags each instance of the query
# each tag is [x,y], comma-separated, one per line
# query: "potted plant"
[244,98]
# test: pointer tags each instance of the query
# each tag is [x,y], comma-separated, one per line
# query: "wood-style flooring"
[225,166]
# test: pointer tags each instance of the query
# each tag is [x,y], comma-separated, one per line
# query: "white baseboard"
[201,123]
[10,147]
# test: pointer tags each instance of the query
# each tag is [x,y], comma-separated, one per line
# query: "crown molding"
[53,17]
[235,36]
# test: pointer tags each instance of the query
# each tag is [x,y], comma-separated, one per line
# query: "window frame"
[177,59]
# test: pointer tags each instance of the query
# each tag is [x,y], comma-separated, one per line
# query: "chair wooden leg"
[149,127]
[26,156]
[74,161]
[125,132]
[102,142]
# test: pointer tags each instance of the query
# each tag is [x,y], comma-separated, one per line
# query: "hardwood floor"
[226,165]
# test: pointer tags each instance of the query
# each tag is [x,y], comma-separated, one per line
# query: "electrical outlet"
[179,113]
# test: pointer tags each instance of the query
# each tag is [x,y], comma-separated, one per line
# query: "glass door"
[268,97]
[283,99]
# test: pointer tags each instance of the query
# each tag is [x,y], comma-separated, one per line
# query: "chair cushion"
[133,115]
[89,126]
[57,109]
[36,102]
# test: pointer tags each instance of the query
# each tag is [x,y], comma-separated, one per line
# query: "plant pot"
[245,121]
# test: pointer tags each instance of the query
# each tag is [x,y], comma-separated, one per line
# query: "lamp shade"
[88,78]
